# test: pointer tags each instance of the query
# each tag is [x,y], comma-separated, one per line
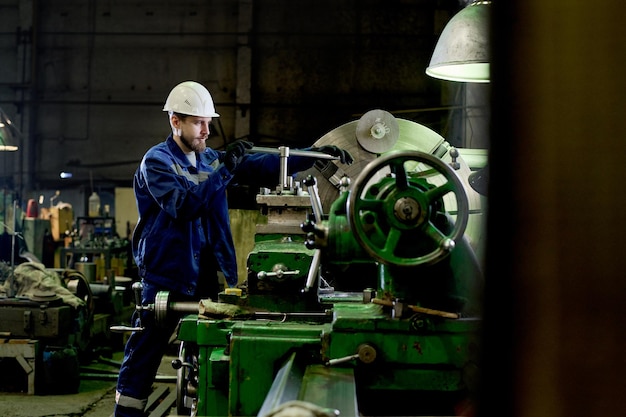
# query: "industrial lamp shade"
[462,52]
[8,141]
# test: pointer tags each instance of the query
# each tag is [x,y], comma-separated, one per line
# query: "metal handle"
[366,353]
[314,196]
[137,288]
[294,152]
[279,273]
[313,270]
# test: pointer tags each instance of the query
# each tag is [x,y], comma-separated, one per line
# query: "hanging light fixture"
[8,140]
[462,51]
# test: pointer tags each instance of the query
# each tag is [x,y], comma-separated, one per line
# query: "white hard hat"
[192,98]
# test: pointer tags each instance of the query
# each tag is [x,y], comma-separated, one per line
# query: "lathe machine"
[363,302]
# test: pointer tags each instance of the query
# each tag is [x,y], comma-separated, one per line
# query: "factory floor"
[95,396]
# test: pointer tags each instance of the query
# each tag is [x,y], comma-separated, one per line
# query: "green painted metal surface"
[257,350]
[363,358]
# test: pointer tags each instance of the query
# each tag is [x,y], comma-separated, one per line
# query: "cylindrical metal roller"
[163,306]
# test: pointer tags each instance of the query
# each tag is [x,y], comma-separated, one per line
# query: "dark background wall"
[85,81]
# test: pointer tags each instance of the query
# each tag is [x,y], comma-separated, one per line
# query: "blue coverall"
[182,238]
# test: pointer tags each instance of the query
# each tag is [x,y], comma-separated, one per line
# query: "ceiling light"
[462,51]
[8,139]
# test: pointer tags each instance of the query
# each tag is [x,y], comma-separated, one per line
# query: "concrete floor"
[95,397]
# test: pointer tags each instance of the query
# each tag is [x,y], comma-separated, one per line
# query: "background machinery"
[363,293]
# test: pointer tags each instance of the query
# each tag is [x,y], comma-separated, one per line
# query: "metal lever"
[278,274]
[294,152]
[177,364]
[313,270]
[314,195]
[366,353]
[284,180]
[342,360]
[318,211]
[137,288]
[454,154]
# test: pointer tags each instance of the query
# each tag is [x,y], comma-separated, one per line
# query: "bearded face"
[196,144]
[192,132]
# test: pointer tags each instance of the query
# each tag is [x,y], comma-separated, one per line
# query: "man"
[183,235]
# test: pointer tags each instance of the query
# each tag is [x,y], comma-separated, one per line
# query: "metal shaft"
[284,155]
[293,152]
[314,195]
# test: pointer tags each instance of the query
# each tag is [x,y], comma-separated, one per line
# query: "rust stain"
[417,346]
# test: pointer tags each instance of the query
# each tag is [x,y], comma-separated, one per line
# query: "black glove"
[344,156]
[235,152]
